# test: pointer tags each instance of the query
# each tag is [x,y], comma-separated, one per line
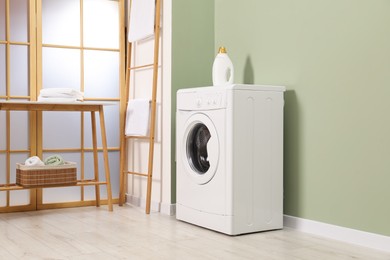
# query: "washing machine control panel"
[201,101]
[211,101]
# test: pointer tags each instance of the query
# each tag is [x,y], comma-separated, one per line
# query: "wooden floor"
[127,233]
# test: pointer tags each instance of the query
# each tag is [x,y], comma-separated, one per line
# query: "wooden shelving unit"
[152,126]
[92,107]
[36,43]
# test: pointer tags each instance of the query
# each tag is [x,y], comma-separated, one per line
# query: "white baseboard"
[164,208]
[168,209]
[353,236]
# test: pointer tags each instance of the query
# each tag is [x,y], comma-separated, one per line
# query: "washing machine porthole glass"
[197,155]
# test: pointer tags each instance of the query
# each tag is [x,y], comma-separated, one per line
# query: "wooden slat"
[38,36]
[32,50]
[153,108]
[91,182]
[7,48]
[16,97]
[78,47]
[8,91]
[8,155]
[86,149]
[16,43]
[72,204]
[15,151]
[137,173]
[123,153]
[141,67]
[123,98]
[136,137]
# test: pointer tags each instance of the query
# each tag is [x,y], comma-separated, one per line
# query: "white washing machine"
[229,156]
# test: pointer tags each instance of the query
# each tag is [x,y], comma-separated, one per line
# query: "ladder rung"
[90,182]
[137,137]
[139,174]
[141,67]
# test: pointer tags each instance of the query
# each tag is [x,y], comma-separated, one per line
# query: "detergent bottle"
[223,70]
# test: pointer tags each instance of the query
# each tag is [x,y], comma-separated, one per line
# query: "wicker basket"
[46,176]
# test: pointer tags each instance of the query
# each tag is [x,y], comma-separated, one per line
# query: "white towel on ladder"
[141,24]
[137,117]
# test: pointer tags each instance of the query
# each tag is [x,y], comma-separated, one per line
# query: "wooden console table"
[75,107]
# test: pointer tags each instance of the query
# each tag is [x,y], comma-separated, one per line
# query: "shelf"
[5,187]
[87,106]
[14,186]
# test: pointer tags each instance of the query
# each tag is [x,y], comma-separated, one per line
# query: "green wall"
[334,58]
[192,53]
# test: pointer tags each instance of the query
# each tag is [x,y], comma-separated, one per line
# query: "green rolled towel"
[54,160]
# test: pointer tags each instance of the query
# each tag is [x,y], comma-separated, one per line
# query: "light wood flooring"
[127,233]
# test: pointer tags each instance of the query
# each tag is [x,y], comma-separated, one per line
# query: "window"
[77,44]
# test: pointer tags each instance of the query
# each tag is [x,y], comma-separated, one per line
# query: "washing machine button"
[198,102]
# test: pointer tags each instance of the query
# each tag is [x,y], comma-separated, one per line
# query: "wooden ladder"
[124,172]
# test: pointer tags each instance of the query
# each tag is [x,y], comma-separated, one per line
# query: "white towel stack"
[60,95]
[137,117]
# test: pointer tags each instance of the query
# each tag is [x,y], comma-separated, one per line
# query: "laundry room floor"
[127,233]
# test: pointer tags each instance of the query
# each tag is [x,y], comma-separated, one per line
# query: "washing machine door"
[200,148]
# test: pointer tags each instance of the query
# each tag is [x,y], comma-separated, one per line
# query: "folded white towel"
[57,99]
[141,24]
[61,93]
[137,117]
[34,161]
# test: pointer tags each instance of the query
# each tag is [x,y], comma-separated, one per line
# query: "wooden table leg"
[105,155]
[95,157]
